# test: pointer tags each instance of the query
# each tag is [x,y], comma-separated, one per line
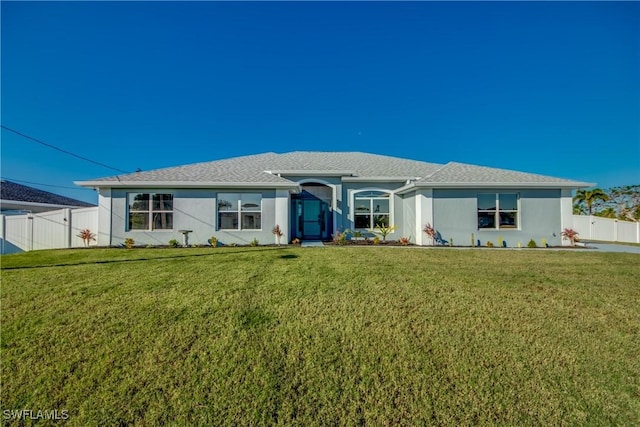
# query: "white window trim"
[497,211]
[150,211]
[239,212]
[352,202]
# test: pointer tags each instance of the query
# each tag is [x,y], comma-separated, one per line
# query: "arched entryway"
[312,213]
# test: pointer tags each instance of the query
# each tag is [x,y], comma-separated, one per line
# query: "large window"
[497,211]
[239,211]
[150,211]
[371,208]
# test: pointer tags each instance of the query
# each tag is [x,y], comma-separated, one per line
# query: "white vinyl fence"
[607,229]
[46,230]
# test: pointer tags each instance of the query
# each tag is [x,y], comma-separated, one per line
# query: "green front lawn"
[322,336]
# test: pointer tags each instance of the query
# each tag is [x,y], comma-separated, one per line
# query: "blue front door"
[313,219]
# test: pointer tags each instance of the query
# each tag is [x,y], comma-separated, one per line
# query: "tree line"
[617,202]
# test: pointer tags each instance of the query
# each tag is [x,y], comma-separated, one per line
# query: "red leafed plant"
[278,233]
[571,235]
[87,236]
[404,241]
[430,231]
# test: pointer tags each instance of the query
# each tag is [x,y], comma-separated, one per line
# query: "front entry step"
[311,243]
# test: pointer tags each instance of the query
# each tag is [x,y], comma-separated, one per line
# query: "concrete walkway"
[612,247]
[311,243]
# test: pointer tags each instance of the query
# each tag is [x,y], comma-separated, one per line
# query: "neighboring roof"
[271,170]
[12,194]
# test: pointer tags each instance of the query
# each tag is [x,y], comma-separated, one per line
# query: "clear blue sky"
[545,87]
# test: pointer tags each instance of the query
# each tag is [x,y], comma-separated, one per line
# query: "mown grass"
[323,336]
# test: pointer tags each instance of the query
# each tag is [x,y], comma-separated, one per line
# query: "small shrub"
[532,244]
[404,241]
[174,243]
[473,240]
[376,240]
[129,242]
[451,241]
[87,236]
[500,242]
[490,244]
[384,230]
[340,238]
[254,242]
[214,241]
[295,241]
[544,243]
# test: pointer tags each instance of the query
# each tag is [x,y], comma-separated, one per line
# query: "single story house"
[312,195]
[18,199]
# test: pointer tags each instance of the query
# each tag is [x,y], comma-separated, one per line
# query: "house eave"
[480,185]
[530,185]
[407,188]
[184,184]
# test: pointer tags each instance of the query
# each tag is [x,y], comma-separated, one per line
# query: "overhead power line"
[60,149]
[46,185]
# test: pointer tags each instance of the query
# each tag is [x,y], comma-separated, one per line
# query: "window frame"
[239,211]
[150,211]
[385,195]
[497,211]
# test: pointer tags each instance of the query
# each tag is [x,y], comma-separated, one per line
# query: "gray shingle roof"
[454,172]
[247,169]
[361,164]
[10,191]
[264,168]
[252,169]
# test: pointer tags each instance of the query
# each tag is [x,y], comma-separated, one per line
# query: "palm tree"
[588,197]
[608,212]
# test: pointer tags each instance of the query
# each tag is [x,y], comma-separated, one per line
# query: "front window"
[371,209]
[150,211]
[497,211]
[239,211]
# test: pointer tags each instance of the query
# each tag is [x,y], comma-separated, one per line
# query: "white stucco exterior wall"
[566,213]
[282,215]
[104,217]
[424,214]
